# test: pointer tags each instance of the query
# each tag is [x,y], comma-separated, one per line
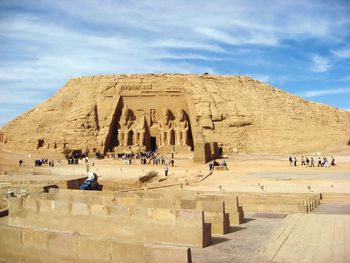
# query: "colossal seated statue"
[139,131]
[181,128]
[165,126]
[124,127]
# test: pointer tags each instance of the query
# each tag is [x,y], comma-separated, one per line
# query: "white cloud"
[342,53]
[318,93]
[320,64]
[44,43]
[188,56]
[238,39]
[173,43]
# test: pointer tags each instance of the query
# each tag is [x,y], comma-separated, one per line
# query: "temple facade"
[152,127]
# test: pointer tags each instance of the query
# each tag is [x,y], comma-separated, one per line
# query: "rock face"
[234,111]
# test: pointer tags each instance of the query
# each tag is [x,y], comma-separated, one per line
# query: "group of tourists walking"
[311,162]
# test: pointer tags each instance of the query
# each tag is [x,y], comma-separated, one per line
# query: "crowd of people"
[40,162]
[74,158]
[311,162]
[149,157]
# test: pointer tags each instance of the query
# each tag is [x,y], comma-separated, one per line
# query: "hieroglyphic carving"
[135,87]
[152,114]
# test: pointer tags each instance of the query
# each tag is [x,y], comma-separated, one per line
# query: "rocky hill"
[236,112]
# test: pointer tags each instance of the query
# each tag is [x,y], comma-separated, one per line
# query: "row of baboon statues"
[171,132]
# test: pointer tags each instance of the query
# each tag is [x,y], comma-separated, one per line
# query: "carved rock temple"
[207,114]
[151,129]
[140,124]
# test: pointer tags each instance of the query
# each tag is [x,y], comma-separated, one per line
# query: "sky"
[302,47]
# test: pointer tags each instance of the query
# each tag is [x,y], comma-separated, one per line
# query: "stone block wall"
[29,245]
[126,223]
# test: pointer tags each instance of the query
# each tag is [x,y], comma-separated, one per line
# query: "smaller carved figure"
[165,126]
[181,127]
[125,127]
[152,114]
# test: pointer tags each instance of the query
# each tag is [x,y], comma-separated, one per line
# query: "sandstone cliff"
[237,112]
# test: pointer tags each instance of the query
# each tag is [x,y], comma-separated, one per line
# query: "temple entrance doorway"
[153,143]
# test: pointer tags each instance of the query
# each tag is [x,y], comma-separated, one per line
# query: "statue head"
[180,114]
[165,114]
[125,114]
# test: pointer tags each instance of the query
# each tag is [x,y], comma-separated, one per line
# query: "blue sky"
[302,47]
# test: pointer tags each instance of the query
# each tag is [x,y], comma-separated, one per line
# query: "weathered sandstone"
[236,112]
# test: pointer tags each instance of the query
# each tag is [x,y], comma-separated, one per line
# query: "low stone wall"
[253,202]
[279,202]
[214,211]
[186,227]
[232,207]
[27,245]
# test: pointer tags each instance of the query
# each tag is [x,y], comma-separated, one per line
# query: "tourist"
[38,162]
[307,161]
[20,162]
[295,161]
[290,161]
[333,161]
[312,163]
[224,164]
[171,162]
[91,182]
[166,170]
[319,162]
[210,164]
[302,161]
[325,162]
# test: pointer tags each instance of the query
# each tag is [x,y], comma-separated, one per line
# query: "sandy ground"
[322,236]
[246,172]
